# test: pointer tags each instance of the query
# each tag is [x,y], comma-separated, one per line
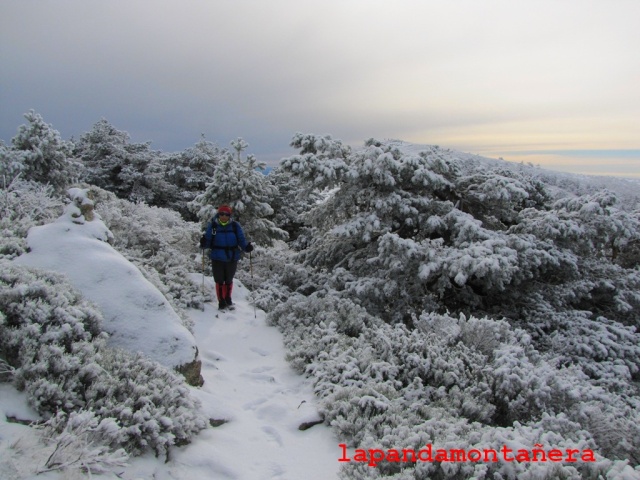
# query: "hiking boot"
[230,305]
[222,305]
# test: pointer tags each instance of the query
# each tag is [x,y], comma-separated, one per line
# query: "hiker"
[225,239]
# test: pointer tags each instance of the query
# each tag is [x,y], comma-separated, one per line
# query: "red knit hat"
[224,209]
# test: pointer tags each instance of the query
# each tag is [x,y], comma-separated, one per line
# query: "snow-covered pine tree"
[130,170]
[241,184]
[381,192]
[292,201]
[496,197]
[321,162]
[190,171]
[195,166]
[590,225]
[40,154]
[11,165]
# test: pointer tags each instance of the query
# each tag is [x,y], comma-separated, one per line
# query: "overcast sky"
[555,82]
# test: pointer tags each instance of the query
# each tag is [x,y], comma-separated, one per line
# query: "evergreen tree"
[193,168]
[190,171]
[321,161]
[39,154]
[130,170]
[11,164]
[292,201]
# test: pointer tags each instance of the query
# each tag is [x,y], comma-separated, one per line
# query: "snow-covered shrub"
[80,441]
[497,197]
[48,331]
[483,300]
[458,382]
[417,234]
[310,325]
[52,337]
[151,404]
[606,290]
[263,274]
[606,351]
[590,225]
[24,204]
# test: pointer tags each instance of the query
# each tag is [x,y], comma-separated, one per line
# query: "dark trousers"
[223,273]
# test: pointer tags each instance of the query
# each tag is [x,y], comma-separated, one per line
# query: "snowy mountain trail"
[250,386]
[255,401]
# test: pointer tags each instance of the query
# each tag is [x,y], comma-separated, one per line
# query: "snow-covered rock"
[136,314]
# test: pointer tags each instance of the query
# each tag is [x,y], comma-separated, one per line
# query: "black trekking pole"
[203,294]
[253,287]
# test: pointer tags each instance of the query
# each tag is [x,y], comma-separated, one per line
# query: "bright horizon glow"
[495,78]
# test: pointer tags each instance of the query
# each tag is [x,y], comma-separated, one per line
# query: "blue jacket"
[227,242]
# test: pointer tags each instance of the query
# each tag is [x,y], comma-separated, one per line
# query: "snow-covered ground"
[248,383]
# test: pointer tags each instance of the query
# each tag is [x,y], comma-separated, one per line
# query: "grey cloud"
[167,71]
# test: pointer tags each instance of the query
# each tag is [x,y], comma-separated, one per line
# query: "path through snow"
[249,383]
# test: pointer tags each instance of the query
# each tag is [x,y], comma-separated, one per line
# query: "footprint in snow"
[252,405]
[273,435]
[262,369]
[260,377]
[260,351]
[212,355]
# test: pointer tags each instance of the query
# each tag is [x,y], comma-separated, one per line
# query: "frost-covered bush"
[24,204]
[488,305]
[48,335]
[263,275]
[151,404]
[453,382]
[496,197]
[591,225]
[416,233]
[52,337]
[79,441]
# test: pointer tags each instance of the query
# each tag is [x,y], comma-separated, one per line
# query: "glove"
[249,248]
[203,242]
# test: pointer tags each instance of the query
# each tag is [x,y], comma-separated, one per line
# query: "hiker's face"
[224,216]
